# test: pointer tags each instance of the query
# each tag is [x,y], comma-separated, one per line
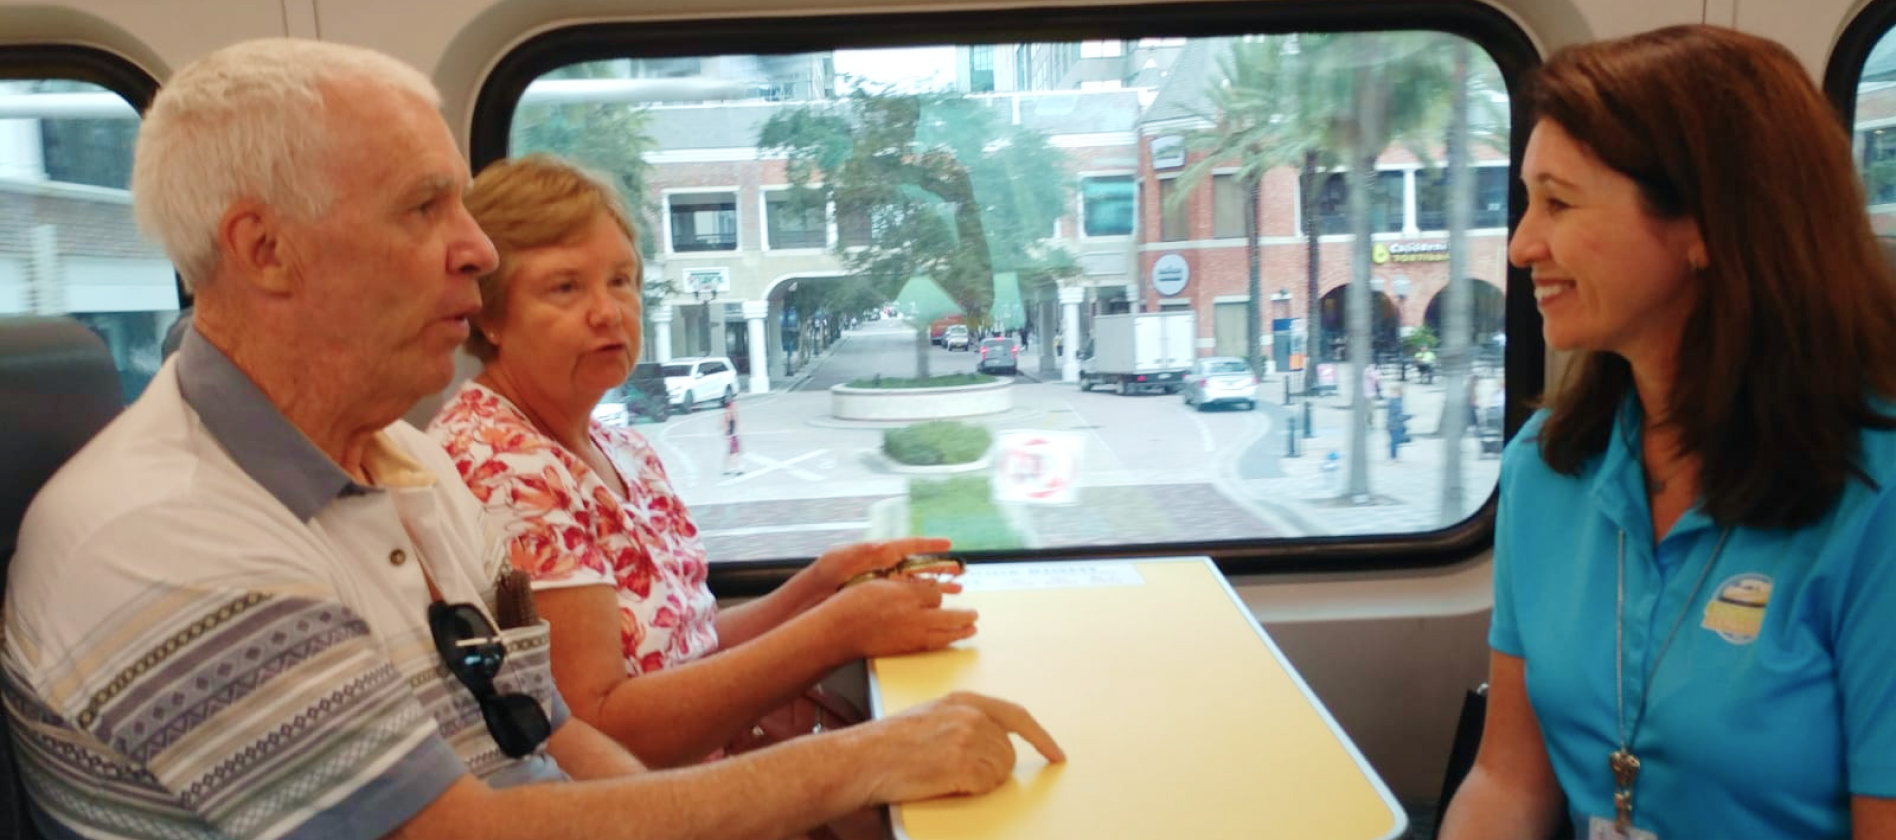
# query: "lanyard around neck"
[1619,641]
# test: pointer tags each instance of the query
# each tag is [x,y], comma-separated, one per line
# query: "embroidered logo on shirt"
[1736,613]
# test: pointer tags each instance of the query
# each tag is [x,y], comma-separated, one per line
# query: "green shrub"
[945,381]
[960,508]
[936,442]
[1421,339]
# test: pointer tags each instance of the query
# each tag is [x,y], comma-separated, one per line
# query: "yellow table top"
[1178,715]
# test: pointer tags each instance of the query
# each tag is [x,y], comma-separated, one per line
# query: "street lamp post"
[705,295]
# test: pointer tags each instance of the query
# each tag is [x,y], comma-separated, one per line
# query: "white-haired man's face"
[389,272]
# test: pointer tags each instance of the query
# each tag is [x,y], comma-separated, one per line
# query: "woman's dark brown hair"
[1792,343]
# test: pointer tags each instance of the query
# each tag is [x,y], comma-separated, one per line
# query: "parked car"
[956,338]
[1220,380]
[641,397]
[694,380]
[998,355]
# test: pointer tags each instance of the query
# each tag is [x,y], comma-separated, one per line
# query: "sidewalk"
[1405,495]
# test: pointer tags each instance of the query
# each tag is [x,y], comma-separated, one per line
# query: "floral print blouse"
[564,526]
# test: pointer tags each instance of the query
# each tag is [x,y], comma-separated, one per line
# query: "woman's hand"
[894,616]
[818,582]
[839,564]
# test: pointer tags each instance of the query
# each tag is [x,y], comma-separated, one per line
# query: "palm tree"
[1323,94]
[1472,93]
[1457,315]
[1249,96]
[1302,100]
[1398,94]
[1274,105]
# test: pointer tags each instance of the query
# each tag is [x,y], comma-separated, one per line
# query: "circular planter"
[848,403]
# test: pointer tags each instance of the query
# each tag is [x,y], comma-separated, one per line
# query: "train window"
[68,245]
[1082,194]
[1874,133]
[1861,80]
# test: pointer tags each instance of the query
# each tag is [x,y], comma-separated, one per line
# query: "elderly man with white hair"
[258,605]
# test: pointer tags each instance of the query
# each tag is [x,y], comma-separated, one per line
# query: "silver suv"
[693,380]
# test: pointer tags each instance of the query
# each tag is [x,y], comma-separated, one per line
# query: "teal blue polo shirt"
[1776,701]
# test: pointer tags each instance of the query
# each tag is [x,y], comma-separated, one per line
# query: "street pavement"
[1249,488]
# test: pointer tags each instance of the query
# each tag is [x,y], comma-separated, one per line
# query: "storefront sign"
[1168,152]
[1388,252]
[1170,274]
[708,280]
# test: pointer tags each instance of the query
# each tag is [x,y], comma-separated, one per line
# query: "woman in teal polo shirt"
[1693,555]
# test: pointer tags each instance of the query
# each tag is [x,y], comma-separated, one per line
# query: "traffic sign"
[1038,467]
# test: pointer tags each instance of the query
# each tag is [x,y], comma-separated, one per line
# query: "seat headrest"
[58,387]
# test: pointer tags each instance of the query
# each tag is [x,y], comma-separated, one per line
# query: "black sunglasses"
[473,652]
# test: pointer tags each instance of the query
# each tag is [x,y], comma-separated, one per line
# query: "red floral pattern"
[564,527]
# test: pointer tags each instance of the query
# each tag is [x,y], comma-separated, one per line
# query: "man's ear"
[250,244]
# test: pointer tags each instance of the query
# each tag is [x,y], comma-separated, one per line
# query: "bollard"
[1308,432]
[1287,390]
[1290,440]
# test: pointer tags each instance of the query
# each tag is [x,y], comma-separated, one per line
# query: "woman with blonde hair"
[640,649]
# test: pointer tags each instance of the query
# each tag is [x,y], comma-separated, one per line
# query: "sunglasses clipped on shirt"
[474,652]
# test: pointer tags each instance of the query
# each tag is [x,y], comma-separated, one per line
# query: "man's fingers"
[954,619]
[1013,718]
[944,636]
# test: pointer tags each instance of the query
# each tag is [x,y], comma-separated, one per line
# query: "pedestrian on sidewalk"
[1398,422]
[1372,391]
[733,455]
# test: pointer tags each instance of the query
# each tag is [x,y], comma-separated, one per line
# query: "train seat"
[58,387]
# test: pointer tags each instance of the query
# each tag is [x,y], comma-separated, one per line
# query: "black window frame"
[1333,217]
[1843,73]
[1844,70]
[1431,216]
[703,242]
[1512,51]
[777,211]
